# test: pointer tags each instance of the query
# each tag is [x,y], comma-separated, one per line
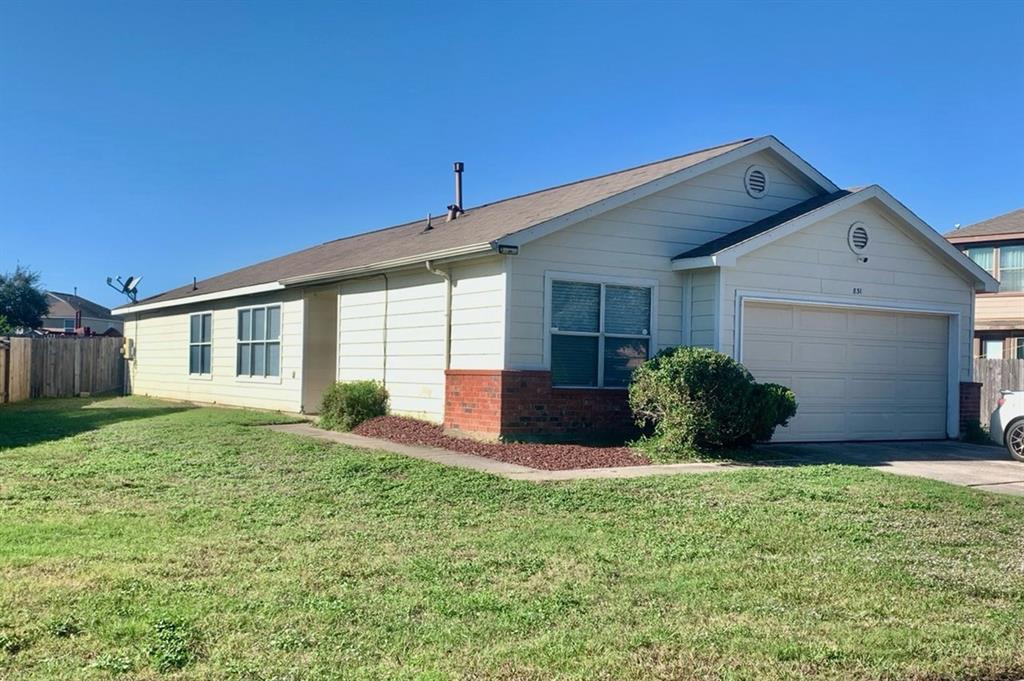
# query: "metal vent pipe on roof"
[455,209]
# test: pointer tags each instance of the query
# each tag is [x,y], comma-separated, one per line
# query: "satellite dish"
[128,288]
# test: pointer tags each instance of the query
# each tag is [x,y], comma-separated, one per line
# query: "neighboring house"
[998,246]
[524,317]
[68,312]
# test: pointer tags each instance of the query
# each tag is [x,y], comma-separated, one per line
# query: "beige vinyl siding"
[161,340]
[478,314]
[816,261]
[414,300]
[638,241]
[993,308]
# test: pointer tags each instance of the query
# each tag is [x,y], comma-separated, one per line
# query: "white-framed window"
[69,326]
[985,258]
[992,349]
[598,329]
[1011,268]
[259,342]
[200,343]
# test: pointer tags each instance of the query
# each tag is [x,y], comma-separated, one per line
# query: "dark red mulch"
[550,457]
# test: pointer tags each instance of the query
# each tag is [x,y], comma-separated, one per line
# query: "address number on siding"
[857,290]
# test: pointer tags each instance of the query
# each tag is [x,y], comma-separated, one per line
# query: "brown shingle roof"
[67,304]
[1008,223]
[478,225]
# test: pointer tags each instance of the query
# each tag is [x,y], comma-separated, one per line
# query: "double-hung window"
[1011,268]
[200,343]
[69,326]
[259,341]
[599,332]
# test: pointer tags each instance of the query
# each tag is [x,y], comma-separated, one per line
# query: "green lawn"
[149,539]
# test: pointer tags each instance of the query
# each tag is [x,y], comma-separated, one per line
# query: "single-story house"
[524,317]
[69,313]
[997,245]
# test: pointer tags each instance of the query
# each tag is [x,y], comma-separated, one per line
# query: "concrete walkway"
[506,470]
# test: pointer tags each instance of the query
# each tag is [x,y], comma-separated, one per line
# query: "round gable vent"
[857,238]
[755,180]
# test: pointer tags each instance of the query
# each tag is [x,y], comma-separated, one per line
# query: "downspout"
[384,342]
[447,312]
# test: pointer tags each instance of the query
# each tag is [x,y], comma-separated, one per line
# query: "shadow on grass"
[30,423]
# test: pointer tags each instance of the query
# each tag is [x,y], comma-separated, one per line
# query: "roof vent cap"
[857,237]
[755,181]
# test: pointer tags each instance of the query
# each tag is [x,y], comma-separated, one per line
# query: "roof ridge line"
[742,141]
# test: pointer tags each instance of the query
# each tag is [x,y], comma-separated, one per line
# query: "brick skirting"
[523,405]
[970,405]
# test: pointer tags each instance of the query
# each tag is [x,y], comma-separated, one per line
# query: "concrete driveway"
[977,466]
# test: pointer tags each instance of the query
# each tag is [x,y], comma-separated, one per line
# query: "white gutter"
[202,298]
[347,272]
[319,277]
[447,312]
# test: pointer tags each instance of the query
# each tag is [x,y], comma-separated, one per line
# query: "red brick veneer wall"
[524,405]
[970,404]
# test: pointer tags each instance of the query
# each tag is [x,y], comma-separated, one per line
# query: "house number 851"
[857,290]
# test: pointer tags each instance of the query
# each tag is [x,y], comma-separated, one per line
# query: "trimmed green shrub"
[699,399]
[772,405]
[346,405]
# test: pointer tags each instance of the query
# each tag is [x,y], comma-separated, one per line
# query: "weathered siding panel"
[161,339]
[638,241]
[817,261]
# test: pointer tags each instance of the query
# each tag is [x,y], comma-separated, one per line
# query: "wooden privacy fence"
[59,366]
[996,375]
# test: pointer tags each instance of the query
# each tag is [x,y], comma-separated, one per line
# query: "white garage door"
[857,374]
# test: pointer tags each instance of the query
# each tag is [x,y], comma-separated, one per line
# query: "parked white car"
[1007,425]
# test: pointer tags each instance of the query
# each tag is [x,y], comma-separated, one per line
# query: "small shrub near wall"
[346,405]
[699,400]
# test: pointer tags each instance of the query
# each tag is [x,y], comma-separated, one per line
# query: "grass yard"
[151,540]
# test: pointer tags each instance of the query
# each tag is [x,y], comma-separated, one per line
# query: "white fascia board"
[217,295]
[984,282]
[803,166]
[319,277]
[349,272]
[703,262]
[542,229]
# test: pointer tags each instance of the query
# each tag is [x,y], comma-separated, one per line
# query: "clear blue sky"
[180,139]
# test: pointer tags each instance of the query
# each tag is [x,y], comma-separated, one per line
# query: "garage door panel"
[821,319]
[873,324]
[818,352]
[871,389]
[922,328]
[857,374]
[766,318]
[768,351]
[924,356]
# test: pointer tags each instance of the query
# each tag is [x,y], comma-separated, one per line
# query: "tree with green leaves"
[22,300]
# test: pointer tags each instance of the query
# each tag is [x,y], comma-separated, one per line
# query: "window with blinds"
[259,342]
[200,343]
[599,333]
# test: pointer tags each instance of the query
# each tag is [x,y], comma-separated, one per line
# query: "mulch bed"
[551,457]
